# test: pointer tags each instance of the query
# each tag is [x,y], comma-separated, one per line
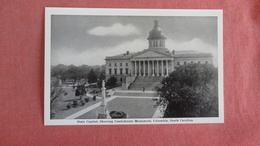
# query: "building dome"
[156,32]
[156,38]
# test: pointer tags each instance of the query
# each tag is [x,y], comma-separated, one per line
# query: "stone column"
[167,72]
[139,68]
[153,67]
[135,69]
[148,72]
[162,68]
[131,72]
[157,69]
[144,67]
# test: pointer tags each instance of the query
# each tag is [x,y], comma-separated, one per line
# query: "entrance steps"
[147,82]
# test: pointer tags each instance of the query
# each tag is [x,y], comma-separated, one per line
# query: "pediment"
[149,54]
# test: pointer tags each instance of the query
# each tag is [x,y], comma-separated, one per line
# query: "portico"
[152,67]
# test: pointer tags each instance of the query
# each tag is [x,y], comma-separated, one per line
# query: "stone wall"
[129,80]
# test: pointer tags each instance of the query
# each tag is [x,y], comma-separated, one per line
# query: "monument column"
[103,112]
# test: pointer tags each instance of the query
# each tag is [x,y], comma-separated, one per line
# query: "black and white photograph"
[133,66]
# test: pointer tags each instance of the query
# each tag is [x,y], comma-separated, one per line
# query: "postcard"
[133,66]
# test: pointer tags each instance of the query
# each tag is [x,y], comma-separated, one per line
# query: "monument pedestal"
[103,113]
[103,116]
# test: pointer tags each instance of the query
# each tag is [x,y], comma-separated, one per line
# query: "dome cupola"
[156,32]
[156,36]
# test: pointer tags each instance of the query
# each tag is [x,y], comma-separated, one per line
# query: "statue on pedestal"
[103,112]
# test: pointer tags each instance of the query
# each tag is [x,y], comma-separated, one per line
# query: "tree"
[71,73]
[111,82]
[92,77]
[57,92]
[191,91]
[75,72]
[83,71]
[58,70]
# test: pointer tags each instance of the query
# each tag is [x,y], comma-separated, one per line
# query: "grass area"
[134,107]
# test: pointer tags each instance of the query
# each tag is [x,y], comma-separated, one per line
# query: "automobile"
[75,104]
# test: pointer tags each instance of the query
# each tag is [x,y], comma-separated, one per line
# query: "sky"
[87,40]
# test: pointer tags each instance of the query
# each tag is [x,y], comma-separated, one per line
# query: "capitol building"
[155,61]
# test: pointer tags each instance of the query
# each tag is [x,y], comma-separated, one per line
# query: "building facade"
[157,60]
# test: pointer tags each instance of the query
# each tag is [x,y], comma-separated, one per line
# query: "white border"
[130,12]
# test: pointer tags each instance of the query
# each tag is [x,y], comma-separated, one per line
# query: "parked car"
[75,104]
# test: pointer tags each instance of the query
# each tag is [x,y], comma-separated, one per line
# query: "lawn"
[134,107]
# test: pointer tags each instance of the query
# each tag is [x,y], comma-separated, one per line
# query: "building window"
[206,62]
[121,71]
[120,64]
[126,71]
[115,64]
[178,63]
[115,71]
[109,64]
[110,71]
[126,64]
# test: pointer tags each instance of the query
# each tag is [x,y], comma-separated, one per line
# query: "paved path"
[91,95]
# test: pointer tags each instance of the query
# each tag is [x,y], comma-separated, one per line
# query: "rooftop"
[184,53]
[190,53]
[122,56]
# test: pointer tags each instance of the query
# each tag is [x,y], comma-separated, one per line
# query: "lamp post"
[103,112]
